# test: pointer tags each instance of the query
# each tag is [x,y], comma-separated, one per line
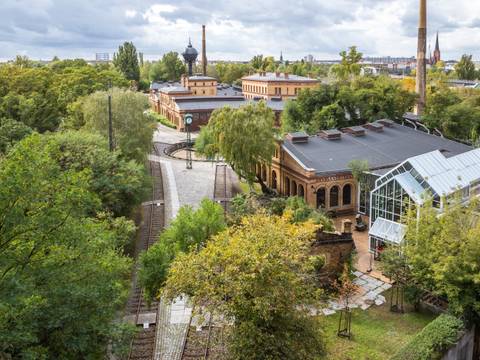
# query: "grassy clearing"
[161,119]
[377,333]
[246,189]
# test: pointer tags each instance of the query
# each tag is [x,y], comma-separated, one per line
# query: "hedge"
[161,119]
[434,339]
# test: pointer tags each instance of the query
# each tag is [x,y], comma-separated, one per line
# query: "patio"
[364,261]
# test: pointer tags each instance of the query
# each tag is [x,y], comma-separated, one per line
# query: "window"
[274,180]
[287,186]
[294,188]
[321,198]
[347,194]
[301,191]
[334,196]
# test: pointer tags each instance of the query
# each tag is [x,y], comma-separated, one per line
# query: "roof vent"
[298,137]
[332,134]
[386,122]
[377,127]
[354,130]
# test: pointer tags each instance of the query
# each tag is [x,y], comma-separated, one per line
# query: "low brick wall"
[337,249]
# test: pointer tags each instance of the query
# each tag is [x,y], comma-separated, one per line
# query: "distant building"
[309,58]
[102,57]
[267,85]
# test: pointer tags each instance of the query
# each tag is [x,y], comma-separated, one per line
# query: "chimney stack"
[204,51]
[421,85]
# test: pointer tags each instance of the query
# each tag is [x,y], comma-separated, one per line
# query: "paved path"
[369,293]
[181,187]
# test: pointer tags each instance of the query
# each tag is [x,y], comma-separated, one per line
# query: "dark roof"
[381,149]
[271,76]
[192,103]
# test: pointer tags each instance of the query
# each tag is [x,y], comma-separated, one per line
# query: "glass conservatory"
[429,176]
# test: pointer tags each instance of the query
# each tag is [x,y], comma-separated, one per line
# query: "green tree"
[243,137]
[126,61]
[444,255]
[11,132]
[189,231]
[118,183]
[349,66]
[259,276]
[465,68]
[173,67]
[132,129]
[62,276]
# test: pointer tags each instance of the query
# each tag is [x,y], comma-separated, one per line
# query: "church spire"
[436,53]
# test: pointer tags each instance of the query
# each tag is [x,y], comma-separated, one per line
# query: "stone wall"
[337,249]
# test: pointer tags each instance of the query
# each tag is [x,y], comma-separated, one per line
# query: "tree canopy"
[170,68]
[132,129]
[243,137]
[62,275]
[258,275]
[444,255]
[348,103]
[126,61]
[350,64]
[189,231]
[465,68]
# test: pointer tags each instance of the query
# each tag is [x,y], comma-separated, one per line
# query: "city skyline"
[235,31]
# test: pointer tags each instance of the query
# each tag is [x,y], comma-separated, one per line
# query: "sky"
[236,30]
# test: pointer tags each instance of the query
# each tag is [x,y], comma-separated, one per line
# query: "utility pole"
[110,123]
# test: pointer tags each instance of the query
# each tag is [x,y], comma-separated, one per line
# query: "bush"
[161,119]
[433,340]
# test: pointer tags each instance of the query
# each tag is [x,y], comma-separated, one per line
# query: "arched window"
[287,186]
[264,173]
[274,180]
[294,188]
[301,191]
[347,194]
[334,196]
[321,198]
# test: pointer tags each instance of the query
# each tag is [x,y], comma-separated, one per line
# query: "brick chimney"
[204,51]
[286,75]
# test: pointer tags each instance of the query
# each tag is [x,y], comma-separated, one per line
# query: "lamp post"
[188,119]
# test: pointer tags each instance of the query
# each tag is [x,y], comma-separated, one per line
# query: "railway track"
[153,213]
[197,343]
[221,186]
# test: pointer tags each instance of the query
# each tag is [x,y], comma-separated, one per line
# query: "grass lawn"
[377,333]
[245,189]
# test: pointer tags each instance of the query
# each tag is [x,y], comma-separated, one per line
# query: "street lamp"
[188,120]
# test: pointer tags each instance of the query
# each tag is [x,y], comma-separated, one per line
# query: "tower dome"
[190,56]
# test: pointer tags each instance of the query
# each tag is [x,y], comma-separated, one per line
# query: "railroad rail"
[221,186]
[153,213]
[197,343]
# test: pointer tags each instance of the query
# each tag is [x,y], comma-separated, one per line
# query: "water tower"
[190,56]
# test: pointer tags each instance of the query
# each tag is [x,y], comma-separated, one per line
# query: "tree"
[465,68]
[173,67]
[243,137]
[189,231]
[132,129]
[126,61]
[62,276]
[444,254]
[11,132]
[395,266]
[350,64]
[257,275]
[346,290]
[118,183]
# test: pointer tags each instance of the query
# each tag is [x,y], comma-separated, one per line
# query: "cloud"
[235,29]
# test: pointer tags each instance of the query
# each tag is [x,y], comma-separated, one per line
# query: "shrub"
[161,119]
[433,340]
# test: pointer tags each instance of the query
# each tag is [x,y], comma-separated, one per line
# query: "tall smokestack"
[204,51]
[421,85]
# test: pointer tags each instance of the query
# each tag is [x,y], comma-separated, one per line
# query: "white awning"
[388,230]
